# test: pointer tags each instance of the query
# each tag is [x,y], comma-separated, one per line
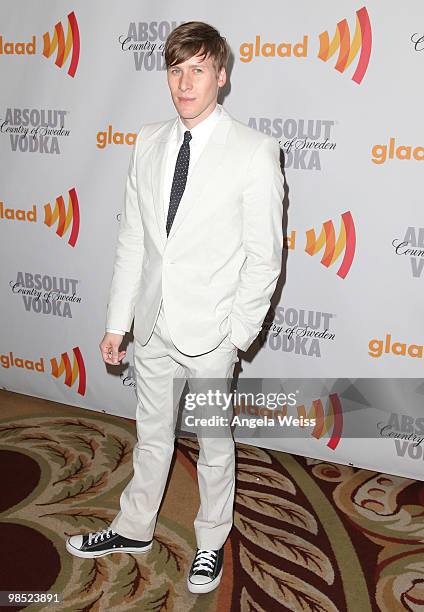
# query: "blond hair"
[196,38]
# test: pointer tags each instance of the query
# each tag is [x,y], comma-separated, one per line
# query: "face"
[194,86]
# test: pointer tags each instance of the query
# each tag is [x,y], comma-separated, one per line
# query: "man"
[197,260]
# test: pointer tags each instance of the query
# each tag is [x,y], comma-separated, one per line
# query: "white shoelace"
[205,560]
[93,537]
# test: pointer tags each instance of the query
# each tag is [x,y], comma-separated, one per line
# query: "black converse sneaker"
[104,542]
[206,570]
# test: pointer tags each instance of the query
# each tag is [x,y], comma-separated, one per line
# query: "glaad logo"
[60,216]
[33,130]
[378,347]
[146,41]
[332,419]
[414,237]
[55,42]
[44,294]
[74,372]
[298,331]
[302,140]
[333,246]
[110,137]
[407,433]
[381,153]
[271,49]
[64,217]
[348,49]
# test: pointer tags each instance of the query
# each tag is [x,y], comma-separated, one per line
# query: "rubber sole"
[92,555]
[204,588]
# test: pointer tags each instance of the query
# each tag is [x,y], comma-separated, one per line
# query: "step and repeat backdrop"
[340,86]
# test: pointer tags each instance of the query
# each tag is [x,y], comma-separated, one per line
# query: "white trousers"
[157,365]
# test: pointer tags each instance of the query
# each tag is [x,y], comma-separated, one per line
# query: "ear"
[222,77]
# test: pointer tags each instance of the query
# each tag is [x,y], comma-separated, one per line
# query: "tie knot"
[187,137]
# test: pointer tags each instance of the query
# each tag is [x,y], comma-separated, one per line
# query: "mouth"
[185,100]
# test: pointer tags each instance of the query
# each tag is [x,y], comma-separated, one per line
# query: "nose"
[185,82]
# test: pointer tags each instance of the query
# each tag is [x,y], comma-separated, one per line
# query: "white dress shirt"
[199,137]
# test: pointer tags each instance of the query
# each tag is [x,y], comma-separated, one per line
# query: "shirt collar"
[202,129]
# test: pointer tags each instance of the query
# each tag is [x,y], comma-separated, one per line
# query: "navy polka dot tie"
[179,180]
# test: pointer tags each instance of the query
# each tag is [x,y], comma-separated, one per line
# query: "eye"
[198,70]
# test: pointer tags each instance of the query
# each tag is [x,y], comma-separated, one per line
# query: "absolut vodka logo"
[128,378]
[407,432]
[304,141]
[34,130]
[299,331]
[412,246]
[47,295]
[145,40]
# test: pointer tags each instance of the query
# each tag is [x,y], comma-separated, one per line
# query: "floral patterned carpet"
[308,536]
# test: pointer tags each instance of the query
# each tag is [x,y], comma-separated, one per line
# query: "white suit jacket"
[217,269]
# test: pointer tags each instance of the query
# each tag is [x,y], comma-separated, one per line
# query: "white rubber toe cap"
[76,541]
[199,579]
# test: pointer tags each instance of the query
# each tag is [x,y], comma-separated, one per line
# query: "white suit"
[195,296]
[217,269]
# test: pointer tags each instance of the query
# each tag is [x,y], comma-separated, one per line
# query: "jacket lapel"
[158,166]
[201,177]
[204,171]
